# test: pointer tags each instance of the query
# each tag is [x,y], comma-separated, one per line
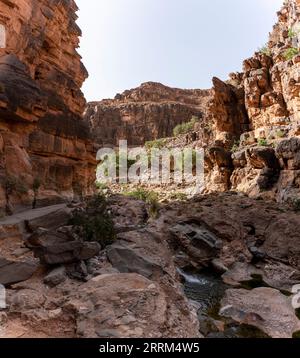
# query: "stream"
[205,291]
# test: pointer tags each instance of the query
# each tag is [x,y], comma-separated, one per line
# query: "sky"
[180,43]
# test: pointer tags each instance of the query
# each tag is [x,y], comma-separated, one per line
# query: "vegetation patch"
[149,197]
[236,146]
[185,128]
[156,144]
[179,196]
[265,50]
[290,53]
[262,142]
[94,223]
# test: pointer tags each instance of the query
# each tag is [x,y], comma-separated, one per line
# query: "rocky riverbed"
[214,266]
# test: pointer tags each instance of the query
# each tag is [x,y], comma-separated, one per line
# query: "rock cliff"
[264,155]
[45,148]
[148,112]
[248,124]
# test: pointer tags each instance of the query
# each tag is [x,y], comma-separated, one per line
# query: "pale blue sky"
[181,43]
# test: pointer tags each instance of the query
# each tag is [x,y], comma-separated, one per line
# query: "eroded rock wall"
[45,147]
[148,112]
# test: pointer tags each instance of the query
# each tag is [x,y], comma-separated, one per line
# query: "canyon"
[81,261]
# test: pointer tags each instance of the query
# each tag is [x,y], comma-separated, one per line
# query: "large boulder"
[129,306]
[136,251]
[264,308]
[12,272]
[54,248]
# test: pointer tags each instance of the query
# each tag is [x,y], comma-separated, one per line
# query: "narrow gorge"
[79,259]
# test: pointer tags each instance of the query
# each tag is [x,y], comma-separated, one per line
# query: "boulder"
[129,306]
[136,251]
[264,308]
[197,239]
[55,248]
[55,277]
[12,272]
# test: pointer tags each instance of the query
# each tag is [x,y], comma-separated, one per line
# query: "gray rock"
[219,266]
[12,272]
[197,240]
[127,260]
[78,271]
[265,308]
[54,248]
[50,220]
[55,277]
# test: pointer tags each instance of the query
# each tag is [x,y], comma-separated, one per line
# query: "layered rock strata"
[148,112]
[45,148]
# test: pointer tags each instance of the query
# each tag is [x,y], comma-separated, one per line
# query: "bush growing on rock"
[235,147]
[94,223]
[158,144]
[149,197]
[262,142]
[290,53]
[179,196]
[185,128]
[265,50]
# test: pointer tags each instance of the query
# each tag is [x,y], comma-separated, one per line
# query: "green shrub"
[265,50]
[157,144]
[292,33]
[290,53]
[149,197]
[263,142]
[235,147]
[280,134]
[94,223]
[185,128]
[179,196]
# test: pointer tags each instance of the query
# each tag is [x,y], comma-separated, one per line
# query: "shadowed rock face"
[148,112]
[45,147]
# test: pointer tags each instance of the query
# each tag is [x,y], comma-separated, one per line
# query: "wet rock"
[264,308]
[219,266]
[12,272]
[209,325]
[242,273]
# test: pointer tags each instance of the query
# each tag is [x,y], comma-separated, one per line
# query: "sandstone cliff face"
[271,85]
[44,144]
[253,144]
[148,112]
